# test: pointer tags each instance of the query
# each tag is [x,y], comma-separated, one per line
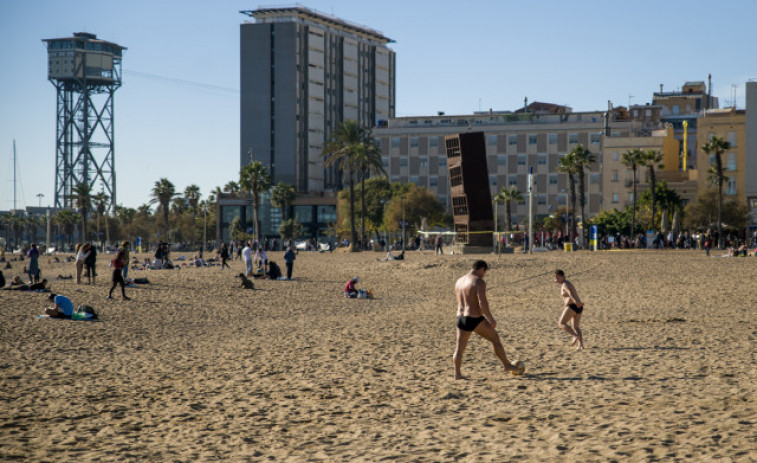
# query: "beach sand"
[195,369]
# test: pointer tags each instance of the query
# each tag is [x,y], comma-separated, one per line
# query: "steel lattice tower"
[86,72]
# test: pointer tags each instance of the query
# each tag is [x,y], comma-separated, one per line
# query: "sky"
[177,111]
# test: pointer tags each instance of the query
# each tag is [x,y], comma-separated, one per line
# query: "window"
[501,160]
[413,142]
[730,163]
[512,140]
[731,138]
[676,110]
[395,142]
[572,138]
[512,180]
[541,159]
[403,162]
[433,141]
[615,156]
[615,198]
[595,137]
[731,186]
[552,138]
[304,214]
[442,161]
[521,159]
[630,198]
[493,180]
[423,161]
[553,179]
[326,214]
[433,180]
[531,139]
[593,179]
[385,162]
[415,179]
[561,200]
[615,176]
[492,139]
[541,200]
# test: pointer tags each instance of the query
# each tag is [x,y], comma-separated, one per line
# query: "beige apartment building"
[617,181]
[730,125]
[413,149]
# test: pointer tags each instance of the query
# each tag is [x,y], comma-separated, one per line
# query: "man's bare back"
[467,291]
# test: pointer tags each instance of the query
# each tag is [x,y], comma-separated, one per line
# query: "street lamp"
[40,196]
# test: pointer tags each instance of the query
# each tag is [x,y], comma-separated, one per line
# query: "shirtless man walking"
[473,315]
[572,310]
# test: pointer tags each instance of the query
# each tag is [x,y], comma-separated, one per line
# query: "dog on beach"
[246,282]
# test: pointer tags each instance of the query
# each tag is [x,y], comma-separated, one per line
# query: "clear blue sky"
[456,57]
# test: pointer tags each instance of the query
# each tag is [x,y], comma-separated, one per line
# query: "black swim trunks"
[575,308]
[468,323]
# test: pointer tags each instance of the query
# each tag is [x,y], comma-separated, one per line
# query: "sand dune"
[195,369]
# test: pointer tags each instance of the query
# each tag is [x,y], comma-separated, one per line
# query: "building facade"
[730,125]
[413,150]
[302,73]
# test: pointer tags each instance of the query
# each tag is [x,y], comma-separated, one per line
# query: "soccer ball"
[521,368]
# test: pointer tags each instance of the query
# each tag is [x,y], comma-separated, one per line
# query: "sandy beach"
[195,369]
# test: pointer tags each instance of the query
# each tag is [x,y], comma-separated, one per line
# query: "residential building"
[303,72]
[750,148]
[730,125]
[413,150]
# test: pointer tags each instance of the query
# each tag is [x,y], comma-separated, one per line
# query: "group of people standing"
[257,262]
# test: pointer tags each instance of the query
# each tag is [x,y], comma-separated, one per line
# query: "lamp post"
[205,227]
[40,196]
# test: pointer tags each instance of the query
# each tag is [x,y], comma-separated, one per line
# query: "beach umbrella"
[664,223]
[676,224]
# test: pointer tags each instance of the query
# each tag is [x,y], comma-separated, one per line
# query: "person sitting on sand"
[349,289]
[274,272]
[198,261]
[572,310]
[62,307]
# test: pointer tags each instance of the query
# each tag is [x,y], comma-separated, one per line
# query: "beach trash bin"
[568,247]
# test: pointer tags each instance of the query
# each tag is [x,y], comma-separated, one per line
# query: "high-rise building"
[303,72]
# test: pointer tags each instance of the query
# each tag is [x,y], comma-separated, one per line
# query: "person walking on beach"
[125,248]
[289,258]
[118,274]
[473,315]
[33,264]
[572,310]
[89,264]
[224,255]
[439,242]
[81,255]
[247,257]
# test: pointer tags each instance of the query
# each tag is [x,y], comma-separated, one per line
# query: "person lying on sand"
[572,310]
[473,315]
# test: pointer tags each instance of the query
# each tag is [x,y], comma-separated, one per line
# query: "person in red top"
[349,289]
[118,274]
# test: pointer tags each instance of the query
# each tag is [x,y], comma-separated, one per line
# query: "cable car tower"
[86,72]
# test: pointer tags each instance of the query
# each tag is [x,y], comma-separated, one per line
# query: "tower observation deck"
[86,72]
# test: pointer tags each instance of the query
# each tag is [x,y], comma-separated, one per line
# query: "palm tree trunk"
[362,208]
[353,231]
[582,197]
[719,166]
[654,194]
[572,182]
[509,215]
[633,212]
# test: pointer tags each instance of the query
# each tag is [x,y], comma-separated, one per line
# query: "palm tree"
[631,159]
[652,159]
[101,203]
[281,196]
[568,166]
[231,188]
[255,178]
[342,150]
[506,195]
[715,147]
[66,219]
[82,196]
[583,160]
[125,216]
[369,159]
[162,193]
[192,195]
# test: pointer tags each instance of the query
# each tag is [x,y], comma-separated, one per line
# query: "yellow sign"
[685,137]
